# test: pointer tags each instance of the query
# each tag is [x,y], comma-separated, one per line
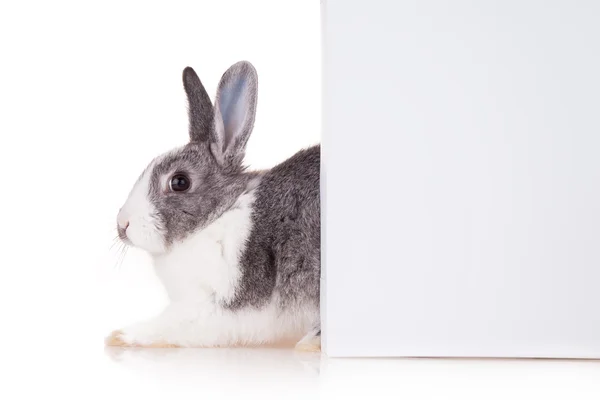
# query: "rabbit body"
[237,251]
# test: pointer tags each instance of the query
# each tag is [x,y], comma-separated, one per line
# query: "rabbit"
[237,251]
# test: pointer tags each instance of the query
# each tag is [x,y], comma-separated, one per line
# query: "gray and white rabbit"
[237,251]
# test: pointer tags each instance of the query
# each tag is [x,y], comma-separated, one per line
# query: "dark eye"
[179,183]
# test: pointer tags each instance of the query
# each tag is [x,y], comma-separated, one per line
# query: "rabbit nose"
[122,229]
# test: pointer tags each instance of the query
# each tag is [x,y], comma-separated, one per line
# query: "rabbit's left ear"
[235,110]
[200,108]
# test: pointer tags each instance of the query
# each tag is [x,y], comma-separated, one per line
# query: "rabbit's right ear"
[200,109]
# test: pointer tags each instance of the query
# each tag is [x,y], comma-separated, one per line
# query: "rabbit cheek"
[144,228]
[144,232]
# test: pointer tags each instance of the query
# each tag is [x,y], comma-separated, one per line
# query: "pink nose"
[122,229]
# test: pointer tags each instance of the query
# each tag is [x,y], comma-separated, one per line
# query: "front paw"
[116,339]
[129,339]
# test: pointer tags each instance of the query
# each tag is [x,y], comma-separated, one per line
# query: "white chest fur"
[206,264]
[201,272]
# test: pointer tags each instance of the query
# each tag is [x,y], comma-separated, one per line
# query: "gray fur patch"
[200,109]
[283,253]
[212,192]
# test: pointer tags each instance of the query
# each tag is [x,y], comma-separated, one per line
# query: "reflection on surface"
[282,373]
[226,370]
[280,360]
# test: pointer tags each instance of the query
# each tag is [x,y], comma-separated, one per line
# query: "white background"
[89,93]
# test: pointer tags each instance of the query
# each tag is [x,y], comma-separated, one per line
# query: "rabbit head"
[187,188]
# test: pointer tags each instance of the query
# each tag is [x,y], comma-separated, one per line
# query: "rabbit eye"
[179,183]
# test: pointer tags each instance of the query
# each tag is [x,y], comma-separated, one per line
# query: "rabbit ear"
[235,109]
[200,108]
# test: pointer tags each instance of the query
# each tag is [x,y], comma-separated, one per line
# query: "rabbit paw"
[311,344]
[123,339]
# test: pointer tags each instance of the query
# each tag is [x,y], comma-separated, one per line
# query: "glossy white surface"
[75,371]
[462,194]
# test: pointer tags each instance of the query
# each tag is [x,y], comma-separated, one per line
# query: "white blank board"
[461,178]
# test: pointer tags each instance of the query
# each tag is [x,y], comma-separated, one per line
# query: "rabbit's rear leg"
[311,341]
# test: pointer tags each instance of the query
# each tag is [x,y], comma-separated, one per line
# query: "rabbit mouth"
[145,234]
[122,232]
[123,237]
